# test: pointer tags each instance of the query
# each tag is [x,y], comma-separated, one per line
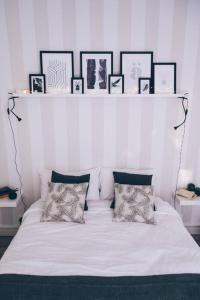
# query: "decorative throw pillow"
[132,179]
[60,178]
[107,179]
[64,203]
[133,203]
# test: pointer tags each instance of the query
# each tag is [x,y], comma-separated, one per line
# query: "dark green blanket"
[160,287]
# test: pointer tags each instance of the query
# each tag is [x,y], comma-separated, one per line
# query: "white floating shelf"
[188,202]
[22,95]
[5,202]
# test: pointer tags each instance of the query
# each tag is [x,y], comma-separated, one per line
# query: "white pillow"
[107,180]
[94,184]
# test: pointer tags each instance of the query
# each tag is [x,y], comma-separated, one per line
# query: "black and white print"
[77,85]
[134,203]
[58,68]
[95,68]
[144,85]
[164,78]
[37,83]
[135,65]
[64,203]
[116,84]
[96,73]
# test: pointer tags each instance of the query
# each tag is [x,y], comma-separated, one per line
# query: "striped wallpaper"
[73,134]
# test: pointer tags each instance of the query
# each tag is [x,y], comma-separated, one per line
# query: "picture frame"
[134,65]
[116,84]
[37,83]
[58,67]
[96,63]
[77,85]
[164,77]
[144,85]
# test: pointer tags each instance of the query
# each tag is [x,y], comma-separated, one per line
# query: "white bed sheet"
[101,247]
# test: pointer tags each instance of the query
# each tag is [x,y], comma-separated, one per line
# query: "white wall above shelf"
[22,95]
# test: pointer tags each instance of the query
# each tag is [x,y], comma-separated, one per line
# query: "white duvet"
[101,247]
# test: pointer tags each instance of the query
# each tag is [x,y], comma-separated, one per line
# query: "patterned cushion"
[134,203]
[64,203]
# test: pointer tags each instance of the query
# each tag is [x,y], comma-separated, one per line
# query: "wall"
[77,133]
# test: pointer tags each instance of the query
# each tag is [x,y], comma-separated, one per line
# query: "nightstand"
[189,210]
[5,202]
[11,211]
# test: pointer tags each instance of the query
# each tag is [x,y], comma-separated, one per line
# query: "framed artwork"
[95,67]
[58,67]
[37,83]
[144,85]
[77,85]
[116,84]
[164,78]
[135,65]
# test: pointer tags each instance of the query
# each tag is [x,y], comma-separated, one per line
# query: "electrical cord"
[185,110]
[15,146]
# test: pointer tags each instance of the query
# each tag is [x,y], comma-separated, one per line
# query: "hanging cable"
[185,110]
[9,111]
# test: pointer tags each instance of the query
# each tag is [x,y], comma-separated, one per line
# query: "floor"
[5,241]
[197,238]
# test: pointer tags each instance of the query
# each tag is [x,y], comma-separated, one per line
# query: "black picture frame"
[110,71]
[67,77]
[72,86]
[148,74]
[140,87]
[173,65]
[37,88]
[109,83]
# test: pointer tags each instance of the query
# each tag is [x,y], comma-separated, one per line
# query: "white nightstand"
[9,203]
[10,219]
[189,210]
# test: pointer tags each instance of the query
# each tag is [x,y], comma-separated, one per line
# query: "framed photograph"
[116,84]
[144,85]
[58,67]
[135,65]
[95,68]
[164,78]
[37,83]
[77,85]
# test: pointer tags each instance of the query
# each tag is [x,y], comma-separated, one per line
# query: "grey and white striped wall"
[82,133]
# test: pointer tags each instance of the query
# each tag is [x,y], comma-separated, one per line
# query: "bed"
[101,259]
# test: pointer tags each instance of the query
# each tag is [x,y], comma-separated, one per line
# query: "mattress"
[101,247]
